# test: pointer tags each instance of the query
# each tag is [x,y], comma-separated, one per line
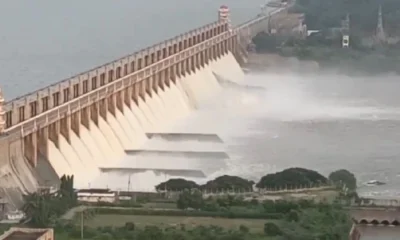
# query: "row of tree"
[222,182]
[288,178]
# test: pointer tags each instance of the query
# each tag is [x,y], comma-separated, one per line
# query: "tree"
[271,229]
[292,216]
[227,182]
[343,178]
[243,229]
[43,207]
[176,184]
[38,209]
[130,226]
[292,178]
[190,199]
[266,43]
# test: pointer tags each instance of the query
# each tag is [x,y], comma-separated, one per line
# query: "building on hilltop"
[28,234]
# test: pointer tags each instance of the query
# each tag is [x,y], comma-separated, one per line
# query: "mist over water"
[319,121]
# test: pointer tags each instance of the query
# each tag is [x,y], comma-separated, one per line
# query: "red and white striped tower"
[224,15]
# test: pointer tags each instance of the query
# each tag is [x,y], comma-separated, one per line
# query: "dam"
[85,125]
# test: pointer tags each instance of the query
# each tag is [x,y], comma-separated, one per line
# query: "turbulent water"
[324,122]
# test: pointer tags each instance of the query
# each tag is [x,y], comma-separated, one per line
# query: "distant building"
[94,195]
[13,217]
[28,234]
[375,224]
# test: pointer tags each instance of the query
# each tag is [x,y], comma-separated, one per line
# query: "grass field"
[255,225]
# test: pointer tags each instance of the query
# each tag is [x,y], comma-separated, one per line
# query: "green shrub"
[130,226]
[271,229]
[292,216]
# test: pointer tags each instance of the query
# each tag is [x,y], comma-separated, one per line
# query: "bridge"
[86,123]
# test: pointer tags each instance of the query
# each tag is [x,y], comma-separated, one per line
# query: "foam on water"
[77,166]
[107,129]
[98,157]
[189,145]
[123,131]
[57,160]
[138,134]
[145,123]
[158,110]
[149,118]
[179,98]
[184,87]
[160,105]
[292,98]
[179,90]
[102,144]
[89,167]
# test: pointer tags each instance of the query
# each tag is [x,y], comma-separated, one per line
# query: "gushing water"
[290,120]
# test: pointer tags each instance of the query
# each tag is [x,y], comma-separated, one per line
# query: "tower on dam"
[90,121]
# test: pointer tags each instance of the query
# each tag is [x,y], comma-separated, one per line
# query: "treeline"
[287,179]
[222,182]
[323,14]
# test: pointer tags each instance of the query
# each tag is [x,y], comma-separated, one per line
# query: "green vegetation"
[343,178]
[289,178]
[44,208]
[365,55]
[190,199]
[224,182]
[292,178]
[228,182]
[177,184]
[317,221]
[324,14]
[193,215]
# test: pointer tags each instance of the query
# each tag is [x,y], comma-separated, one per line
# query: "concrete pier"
[85,123]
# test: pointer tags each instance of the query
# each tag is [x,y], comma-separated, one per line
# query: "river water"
[320,121]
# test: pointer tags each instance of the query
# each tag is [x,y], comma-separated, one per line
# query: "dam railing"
[166,50]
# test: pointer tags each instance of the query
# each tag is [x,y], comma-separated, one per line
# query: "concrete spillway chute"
[186,154]
[201,137]
[171,172]
[233,85]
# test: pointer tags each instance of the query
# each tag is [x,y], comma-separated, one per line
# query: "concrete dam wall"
[104,145]
[91,124]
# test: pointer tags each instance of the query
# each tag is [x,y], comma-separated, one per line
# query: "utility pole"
[82,224]
[129,182]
